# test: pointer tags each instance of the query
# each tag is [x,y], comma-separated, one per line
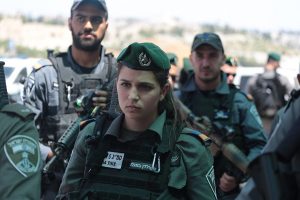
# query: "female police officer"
[145,153]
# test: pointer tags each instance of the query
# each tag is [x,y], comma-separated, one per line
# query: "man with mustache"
[207,93]
[55,83]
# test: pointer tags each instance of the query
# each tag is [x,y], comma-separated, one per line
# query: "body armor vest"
[137,179]
[71,86]
[218,107]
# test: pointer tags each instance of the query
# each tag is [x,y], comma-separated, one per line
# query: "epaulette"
[41,63]
[18,109]
[205,140]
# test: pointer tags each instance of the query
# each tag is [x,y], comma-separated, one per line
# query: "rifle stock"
[229,150]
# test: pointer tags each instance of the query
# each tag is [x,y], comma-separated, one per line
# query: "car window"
[8,71]
[22,75]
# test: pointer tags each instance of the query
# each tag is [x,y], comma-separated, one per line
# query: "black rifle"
[66,142]
[212,130]
[3,90]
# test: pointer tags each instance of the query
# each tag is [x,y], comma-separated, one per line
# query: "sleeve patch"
[210,177]
[23,153]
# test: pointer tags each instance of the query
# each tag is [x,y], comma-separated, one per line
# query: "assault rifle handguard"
[229,150]
[66,142]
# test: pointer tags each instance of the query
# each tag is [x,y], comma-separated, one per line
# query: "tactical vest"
[137,178]
[71,86]
[218,107]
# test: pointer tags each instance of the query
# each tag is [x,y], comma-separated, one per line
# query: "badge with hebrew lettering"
[23,153]
[113,160]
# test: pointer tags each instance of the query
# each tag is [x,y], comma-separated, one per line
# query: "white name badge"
[113,160]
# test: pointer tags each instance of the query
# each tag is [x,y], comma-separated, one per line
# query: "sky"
[264,15]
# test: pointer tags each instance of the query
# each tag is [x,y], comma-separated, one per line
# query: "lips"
[132,108]
[87,36]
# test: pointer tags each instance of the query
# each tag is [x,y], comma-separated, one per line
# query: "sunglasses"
[173,77]
[229,74]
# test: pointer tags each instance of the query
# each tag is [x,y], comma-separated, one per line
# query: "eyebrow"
[141,82]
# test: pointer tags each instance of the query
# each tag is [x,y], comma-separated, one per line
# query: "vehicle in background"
[16,70]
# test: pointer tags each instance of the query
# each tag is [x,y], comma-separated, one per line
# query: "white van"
[16,70]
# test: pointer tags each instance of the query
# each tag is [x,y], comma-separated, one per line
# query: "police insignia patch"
[144,60]
[23,153]
[210,177]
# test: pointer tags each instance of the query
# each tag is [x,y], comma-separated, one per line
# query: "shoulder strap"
[233,91]
[57,61]
[109,64]
[97,145]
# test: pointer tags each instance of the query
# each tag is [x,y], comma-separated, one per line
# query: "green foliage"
[30,52]
[246,61]
[43,20]
[177,31]
[147,33]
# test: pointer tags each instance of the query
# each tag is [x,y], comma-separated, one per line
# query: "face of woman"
[139,94]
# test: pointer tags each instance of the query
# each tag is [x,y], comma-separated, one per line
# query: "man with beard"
[207,93]
[55,83]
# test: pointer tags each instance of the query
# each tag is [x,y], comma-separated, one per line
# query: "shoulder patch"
[210,177]
[23,153]
[17,109]
[202,137]
[41,63]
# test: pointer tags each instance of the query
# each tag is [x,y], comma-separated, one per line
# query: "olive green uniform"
[20,154]
[192,170]
[229,109]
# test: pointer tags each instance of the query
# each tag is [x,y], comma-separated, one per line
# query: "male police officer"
[207,93]
[269,90]
[229,68]
[20,154]
[282,138]
[52,88]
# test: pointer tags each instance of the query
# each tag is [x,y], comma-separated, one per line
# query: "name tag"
[141,166]
[113,160]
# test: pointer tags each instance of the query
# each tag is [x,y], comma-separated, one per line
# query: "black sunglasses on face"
[229,74]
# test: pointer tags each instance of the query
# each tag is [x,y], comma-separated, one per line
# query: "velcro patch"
[23,153]
[210,177]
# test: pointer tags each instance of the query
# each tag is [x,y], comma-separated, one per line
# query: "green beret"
[187,66]
[144,56]
[231,61]
[172,58]
[274,56]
